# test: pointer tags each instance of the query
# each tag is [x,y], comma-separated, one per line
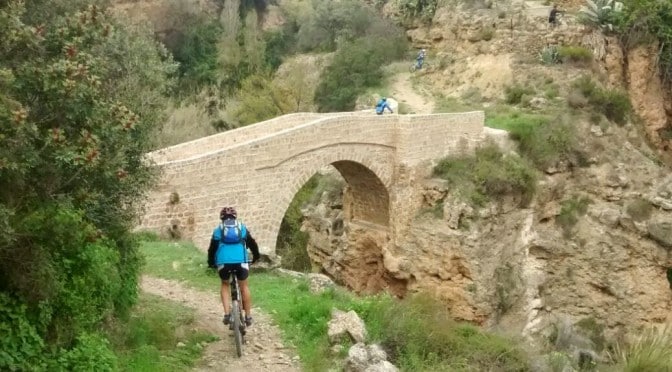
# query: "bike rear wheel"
[237,325]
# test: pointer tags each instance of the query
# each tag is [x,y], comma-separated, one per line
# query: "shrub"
[420,9]
[639,209]
[615,105]
[575,54]
[648,352]
[198,55]
[332,24]
[489,174]
[513,94]
[543,141]
[600,13]
[21,347]
[278,44]
[260,99]
[91,353]
[85,101]
[487,33]
[570,212]
[644,21]
[594,331]
[421,336]
[355,67]
[549,55]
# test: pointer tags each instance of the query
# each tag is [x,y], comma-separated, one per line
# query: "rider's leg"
[225,295]
[224,291]
[247,299]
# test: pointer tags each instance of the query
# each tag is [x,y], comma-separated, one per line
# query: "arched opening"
[337,224]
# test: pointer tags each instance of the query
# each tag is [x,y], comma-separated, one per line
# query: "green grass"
[148,340]
[575,54]
[487,175]
[451,104]
[301,315]
[516,122]
[417,332]
[649,352]
[542,139]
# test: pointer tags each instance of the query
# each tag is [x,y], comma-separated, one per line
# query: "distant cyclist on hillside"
[382,105]
[228,254]
[553,16]
[420,59]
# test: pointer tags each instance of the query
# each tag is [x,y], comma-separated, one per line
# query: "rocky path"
[402,90]
[264,350]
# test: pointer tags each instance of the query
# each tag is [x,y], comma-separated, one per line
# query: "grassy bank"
[149,340]
[417,332]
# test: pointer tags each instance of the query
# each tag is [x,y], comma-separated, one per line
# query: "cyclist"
[382,105]
[420,58]
[553,16]
[228,254]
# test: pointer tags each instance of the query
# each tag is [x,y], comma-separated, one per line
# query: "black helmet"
[228,212]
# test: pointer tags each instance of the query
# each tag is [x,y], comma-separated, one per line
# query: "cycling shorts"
[242,271]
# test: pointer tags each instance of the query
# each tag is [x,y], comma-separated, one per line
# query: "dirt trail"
[264,350]
[402,90]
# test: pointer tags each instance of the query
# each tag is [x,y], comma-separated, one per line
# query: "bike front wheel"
[413,68]
[237,325]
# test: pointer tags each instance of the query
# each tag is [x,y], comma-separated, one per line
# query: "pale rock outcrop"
[345,324]
[646,91]
[371,358]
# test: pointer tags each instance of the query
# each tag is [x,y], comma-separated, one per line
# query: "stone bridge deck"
[259,168]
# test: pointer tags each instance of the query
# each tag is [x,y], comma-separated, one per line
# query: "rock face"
[354,254]
[524,269]
[649,98]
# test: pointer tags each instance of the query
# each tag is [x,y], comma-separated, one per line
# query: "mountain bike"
[237,317]
[415,66]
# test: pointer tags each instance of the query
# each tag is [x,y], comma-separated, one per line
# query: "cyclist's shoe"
[227,319]
[248,321]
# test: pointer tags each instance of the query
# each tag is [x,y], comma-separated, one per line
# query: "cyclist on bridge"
[228,254]
[382,105]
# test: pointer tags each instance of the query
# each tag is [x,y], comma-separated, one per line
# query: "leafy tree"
[260,100]
[644,21]
[198,54]
[79,97]
[355,66]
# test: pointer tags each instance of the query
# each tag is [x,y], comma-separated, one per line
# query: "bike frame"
[237,324]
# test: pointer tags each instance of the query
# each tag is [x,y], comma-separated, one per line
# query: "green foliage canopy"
[79,96]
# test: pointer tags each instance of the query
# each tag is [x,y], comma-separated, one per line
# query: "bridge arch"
[367,178]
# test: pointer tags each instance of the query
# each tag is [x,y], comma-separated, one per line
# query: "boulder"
[342,324]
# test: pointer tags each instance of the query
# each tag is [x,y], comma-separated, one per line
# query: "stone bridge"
[259,168]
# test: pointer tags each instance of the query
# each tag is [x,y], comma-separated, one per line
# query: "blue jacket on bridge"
[382,105]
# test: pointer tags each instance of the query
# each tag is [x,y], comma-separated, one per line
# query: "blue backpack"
[232,232]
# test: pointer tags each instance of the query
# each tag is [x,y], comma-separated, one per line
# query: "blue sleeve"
[217,234]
